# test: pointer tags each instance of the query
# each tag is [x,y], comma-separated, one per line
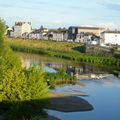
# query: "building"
[36,34]
[57,35]
[60,35]
[110,37]
[87,38]
[93,30]
[10,32]
[74,31]
[21,28]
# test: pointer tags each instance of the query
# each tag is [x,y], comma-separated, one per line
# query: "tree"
[36,85]
[14,86]
[41,28]
[2,30]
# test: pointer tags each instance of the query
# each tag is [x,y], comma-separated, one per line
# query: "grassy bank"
[60,77]
[117,73]
[64,50]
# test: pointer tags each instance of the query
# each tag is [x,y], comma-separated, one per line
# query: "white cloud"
[107,25]
[58,21]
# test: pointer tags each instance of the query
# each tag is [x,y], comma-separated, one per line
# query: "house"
[21,28]
[36,34]
[110,37]
[57,35]
[60,35]
[87,38]
[10,32]
[73,31]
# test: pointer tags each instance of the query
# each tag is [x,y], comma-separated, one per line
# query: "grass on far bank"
[66,50]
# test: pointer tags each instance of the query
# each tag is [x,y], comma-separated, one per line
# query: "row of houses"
[91,35]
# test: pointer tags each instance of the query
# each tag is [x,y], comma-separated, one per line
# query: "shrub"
[20,87]
[2,30]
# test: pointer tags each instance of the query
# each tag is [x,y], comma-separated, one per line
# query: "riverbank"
[71,51]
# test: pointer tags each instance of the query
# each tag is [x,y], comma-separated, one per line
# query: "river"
[103,95]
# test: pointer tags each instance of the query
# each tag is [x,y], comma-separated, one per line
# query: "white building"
[10,32]
[59,35]
[87,38]
[110,37]
[36,34]
[21,28]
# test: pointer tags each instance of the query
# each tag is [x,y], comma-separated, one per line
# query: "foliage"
[117,73]
[14,86]
[41,28]
[113,50]
[36,85]
[24,112]
[23,89]
[2,30]
[59,77]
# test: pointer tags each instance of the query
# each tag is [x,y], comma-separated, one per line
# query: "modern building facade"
[110,37]
[74,31]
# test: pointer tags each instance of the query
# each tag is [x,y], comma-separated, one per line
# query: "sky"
[62,13]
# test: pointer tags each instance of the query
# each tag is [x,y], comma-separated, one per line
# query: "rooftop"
[115,31]
[21,23]
[84,27]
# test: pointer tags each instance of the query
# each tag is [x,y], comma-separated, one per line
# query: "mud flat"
[67,103]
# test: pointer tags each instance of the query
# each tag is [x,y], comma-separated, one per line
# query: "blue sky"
[60,13]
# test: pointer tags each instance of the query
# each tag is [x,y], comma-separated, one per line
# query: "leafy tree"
[14,86]
[2,30]
[36,85]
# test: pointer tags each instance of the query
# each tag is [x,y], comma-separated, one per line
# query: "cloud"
[14,6]
[107,25]
[112,6]
[57,22]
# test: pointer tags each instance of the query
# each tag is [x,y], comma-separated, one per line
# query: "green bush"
[20,87]
[2,30]
[59,77]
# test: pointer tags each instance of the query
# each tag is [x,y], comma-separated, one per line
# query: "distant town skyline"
[62,13]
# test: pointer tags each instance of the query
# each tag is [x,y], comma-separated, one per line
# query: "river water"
[103,95]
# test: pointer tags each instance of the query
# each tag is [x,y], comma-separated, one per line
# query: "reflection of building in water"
[74,70]
[25,63]
[29,60]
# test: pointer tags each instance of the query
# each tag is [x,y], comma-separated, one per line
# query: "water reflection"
[55,63]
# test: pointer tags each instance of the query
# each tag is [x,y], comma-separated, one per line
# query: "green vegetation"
[2,30]
[60,77]
[117,73]
[62,50]
[23,93]
[21,89]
